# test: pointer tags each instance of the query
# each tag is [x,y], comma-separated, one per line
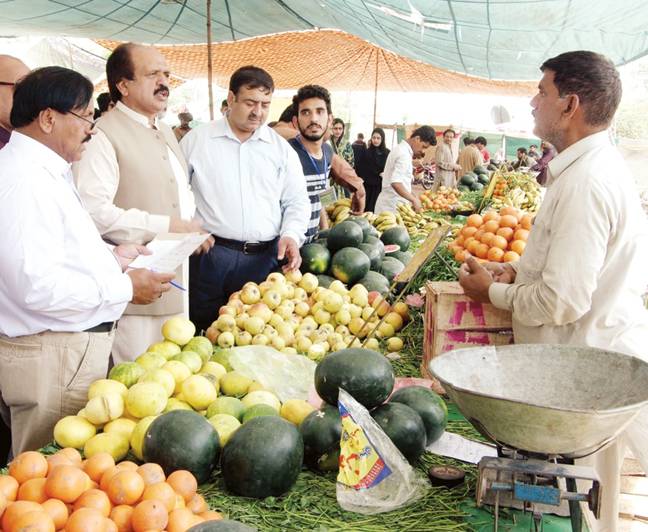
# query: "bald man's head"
[11,70]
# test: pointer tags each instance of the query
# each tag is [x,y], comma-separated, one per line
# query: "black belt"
[106,326]
[249,248]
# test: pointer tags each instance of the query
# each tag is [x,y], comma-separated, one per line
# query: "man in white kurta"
[446,167]
[583,272]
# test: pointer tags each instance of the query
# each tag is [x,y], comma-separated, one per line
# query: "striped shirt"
[316,172]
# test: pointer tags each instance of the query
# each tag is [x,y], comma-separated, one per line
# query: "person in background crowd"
[250,191]
[371,166]
[11,70]
[343,149]
[481,143]
[541,165]
[397,177]
[533,152]
[523,159]
[469,156]
[224,107]
[104,104]
[583,271]
[183,128]
[358,145]
[133,181]
[61,287]
[284,125]
[312,110]
[446,168]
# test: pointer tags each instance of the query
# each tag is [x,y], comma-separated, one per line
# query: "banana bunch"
[417,224]
[386,220]
[522,191]
[339,211]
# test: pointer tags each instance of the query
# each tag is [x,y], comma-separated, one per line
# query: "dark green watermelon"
[476,186]
[315,258]
[396,235]
[373,252]
[468,179]
[483,179]
[391,267]
[222,525]
[404,427]
[375,281]
[480,170]
[364,225]
[375,241]
[325,280]
[344,235]
[321,432]
[402,256]
[263,458]
[182,439]
[322,233]
[365,374]
[349,265]
[430,406]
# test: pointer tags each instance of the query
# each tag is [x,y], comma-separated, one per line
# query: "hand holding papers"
[169,251]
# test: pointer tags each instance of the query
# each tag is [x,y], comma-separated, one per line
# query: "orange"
[183,483]
[162,492]
[468,241]
[180,502]
[521,234]
[469,230]
[491,226]
[197,504]
[127,465]
[149,515]
[30,464]
[482,251]
[85,520]
[499,242]
[495,254]
[491,215]
[473,247]
[107,475]
[210,515]
[460,256]
[474,220]
[57,511]
[121,516]
[3,503]
[510,256]
[526,222]
[15,510]
[518,246]
[506,232]
[181,519]
[151,473]
[56,460]
[8,487]
[126,487]
[509,211]
[110,526]
[33,490]
[459,240]
[66,482]
[36,521]
[96,499]
[508,220]
[487,238]
[72,454]
[97,465]
[479,234]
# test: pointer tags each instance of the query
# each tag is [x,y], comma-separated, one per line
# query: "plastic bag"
[288,376]
[374,476]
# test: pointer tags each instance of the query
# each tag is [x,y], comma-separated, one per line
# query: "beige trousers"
[44,377]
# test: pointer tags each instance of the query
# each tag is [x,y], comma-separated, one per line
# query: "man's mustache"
[161,88]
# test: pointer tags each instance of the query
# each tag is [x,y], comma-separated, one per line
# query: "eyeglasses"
[8,83]
[91,122]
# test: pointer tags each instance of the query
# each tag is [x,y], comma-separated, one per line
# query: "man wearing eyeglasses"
[133,181]
[11,70]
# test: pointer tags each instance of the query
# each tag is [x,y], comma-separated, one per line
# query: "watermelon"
[344,235]
[350,265]
[363,223]
[476,186]
[391,267]
[315,258]
[375,241]
[222,525]
[463,188]
[367,375]
[322,233]
[321,432]
[263,458]
[396,235]
[480,170]
[375,281]
[128,373]
[468,179]
[373,252]
[483,179]
[404,427]
[430,406]
[324,280]
[182,439]
[402,256]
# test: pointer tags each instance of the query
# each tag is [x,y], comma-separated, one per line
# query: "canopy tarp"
[331,58]
[497,39]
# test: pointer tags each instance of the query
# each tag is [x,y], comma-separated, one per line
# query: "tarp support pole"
[209,62]
[375,92]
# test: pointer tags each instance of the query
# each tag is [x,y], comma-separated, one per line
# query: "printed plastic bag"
[374,476]
[288,376]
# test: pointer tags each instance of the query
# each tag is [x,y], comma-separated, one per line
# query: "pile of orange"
[493,236]
[441,201]
[64,492]
[501,187]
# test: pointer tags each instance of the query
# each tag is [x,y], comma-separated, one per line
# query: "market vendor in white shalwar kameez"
[446,167]
[583,272]
[399,168]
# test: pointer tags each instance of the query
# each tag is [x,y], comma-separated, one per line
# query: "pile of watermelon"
[352,252]
[474,181]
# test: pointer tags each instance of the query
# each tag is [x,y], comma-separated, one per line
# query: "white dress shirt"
[583,272]
[100,171]
[247,191]
[398,169]
[56,272]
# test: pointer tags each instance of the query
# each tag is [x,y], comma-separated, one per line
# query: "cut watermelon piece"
[391,248]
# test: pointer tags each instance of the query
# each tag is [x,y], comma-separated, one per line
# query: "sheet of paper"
[455,446]
[169,252]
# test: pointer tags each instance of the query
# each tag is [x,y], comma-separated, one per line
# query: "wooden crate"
[453,320]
